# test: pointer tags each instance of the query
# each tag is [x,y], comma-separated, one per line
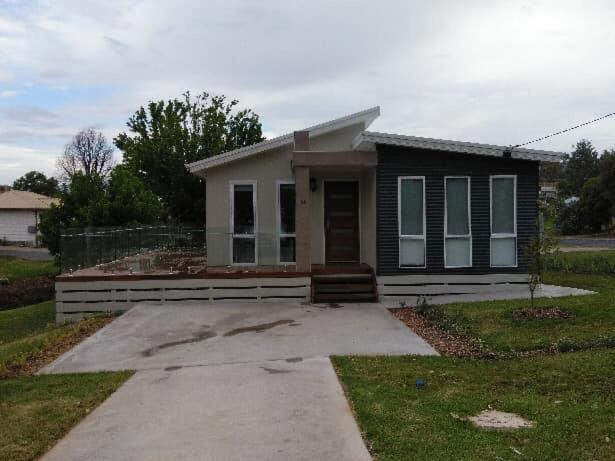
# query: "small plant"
[541,248]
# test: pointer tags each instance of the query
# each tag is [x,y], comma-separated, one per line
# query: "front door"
[341,222]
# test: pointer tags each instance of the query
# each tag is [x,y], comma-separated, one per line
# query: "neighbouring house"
[20,215]
[347,205]
[548,191]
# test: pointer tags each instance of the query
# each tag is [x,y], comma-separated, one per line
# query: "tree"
[579,166]
[88,153]
[165,136]
[130,201]
[93,201]
[38,183]
[551,172]
[541,247]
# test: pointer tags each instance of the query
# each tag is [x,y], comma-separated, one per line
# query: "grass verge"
[583,262]
[12,268]
[495,325]
[36,411]
[570,397]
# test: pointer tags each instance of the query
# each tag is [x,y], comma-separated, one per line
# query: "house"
[401,210]
[19,215]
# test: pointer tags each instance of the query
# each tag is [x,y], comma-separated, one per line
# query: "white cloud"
[487,71]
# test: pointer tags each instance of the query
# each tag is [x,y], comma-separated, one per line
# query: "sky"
[499,72]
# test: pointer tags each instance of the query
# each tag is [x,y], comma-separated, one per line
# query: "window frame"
[469,212]
[233,236]
[493,236]
[278,216]
[401,236]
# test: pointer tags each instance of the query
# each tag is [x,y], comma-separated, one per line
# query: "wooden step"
[345,298]
[343,278]
[345,288]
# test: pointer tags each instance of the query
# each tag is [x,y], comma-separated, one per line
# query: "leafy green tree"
[595,207]
[37,182]
[165,136]
[579,166]
[130,201]
[551,172]
[90,200]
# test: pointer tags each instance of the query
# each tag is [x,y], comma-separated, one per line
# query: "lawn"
[570,398]
[17,269]
[494,322]
[38,410]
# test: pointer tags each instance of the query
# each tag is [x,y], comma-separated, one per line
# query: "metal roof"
[367,141]
[366,117]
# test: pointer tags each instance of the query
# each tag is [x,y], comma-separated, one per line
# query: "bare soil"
[26,291]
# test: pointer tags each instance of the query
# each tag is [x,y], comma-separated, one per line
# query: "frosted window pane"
[457,206]
[503,252]
[502,206]
[458,252]
[411,253]
[412,207]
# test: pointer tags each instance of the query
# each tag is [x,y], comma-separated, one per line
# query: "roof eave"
[368,140]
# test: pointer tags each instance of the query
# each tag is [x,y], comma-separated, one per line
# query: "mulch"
[540,313]
[35,361]
[26,292]
[445,343]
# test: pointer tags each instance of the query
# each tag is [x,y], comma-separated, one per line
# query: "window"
[243,222]
[286,222]
[457,222]
[411,220]
[503,221]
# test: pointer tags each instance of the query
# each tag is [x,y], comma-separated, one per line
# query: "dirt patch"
[258,328]
[25,292]
[445,343]
[34,362]
[494,420]
[528,313]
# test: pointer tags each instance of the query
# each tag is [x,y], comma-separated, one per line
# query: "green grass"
[17,269]
[493,322]
[36,411]
[589,262]
[16,323]
[400,422]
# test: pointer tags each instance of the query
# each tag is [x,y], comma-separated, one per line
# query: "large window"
[457,223]
[243,222]
[286,222]
[411,220]
[503,221]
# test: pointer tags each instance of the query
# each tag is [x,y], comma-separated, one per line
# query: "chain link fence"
[81,248]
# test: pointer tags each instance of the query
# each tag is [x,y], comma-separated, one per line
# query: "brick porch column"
[302,206]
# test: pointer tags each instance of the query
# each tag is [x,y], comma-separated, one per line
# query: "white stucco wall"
[267,168]
[14,225]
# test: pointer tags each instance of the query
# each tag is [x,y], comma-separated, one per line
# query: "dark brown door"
[341,221]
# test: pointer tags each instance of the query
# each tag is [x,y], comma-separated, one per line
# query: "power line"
[563,131]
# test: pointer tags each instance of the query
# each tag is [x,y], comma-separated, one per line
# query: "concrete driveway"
[188,334]
[228,382]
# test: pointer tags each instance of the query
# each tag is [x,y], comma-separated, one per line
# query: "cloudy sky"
[500,72]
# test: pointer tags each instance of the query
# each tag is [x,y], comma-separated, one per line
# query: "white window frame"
[503,235]
[469,211]
[232,234]
[410,237]
[280,235]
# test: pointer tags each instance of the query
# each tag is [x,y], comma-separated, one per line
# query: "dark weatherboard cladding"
[435,165]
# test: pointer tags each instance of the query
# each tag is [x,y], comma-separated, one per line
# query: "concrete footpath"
[285,410]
